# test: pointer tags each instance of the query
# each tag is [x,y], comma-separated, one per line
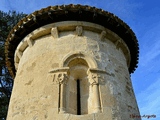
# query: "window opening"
[78,98]
[59,97]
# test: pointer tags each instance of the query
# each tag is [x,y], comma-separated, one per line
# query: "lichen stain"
[30,68]
[29,83]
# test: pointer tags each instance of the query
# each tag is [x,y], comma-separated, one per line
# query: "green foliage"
[7,21]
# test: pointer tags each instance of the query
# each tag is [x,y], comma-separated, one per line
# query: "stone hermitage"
[72,62]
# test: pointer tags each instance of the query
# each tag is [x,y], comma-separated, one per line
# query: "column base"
[97,110]
[62,110]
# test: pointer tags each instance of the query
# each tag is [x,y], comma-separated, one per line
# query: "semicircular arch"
[75,55]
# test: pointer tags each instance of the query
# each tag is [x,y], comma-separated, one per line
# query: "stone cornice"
[59,27]
[70,12]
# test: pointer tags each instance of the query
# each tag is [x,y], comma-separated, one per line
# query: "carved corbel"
[16,65]
[30,42]
[117,43]
[34,17]
[54,32]
[19,54]
[102,35]
[79,30]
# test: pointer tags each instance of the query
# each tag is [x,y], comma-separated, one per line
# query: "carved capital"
[59,78]
[59,75]
[62,78]
[95,76]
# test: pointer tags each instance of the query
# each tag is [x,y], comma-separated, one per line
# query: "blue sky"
[144,19]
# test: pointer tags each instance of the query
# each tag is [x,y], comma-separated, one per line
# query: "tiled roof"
[70,12]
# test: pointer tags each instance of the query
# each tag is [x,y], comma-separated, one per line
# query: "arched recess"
[81,91]
[78,79]
[77,88]
[90,61]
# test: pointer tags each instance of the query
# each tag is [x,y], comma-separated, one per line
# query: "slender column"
[93,79]
[62,99]
[96,97]
[62,78]
[78,98]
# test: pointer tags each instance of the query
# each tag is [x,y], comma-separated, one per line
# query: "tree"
[7,21]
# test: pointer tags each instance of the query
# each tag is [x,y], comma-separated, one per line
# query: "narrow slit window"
[78,98]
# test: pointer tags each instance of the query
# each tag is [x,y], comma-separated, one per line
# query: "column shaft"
[62,99]
[96,98]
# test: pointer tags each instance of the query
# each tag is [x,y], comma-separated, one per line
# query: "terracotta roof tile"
[78,12]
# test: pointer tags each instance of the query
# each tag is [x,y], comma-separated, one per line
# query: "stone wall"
[51,59]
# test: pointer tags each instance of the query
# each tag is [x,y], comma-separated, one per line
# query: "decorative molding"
[74,55]
[96,70]
[52,29]
[63,69]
